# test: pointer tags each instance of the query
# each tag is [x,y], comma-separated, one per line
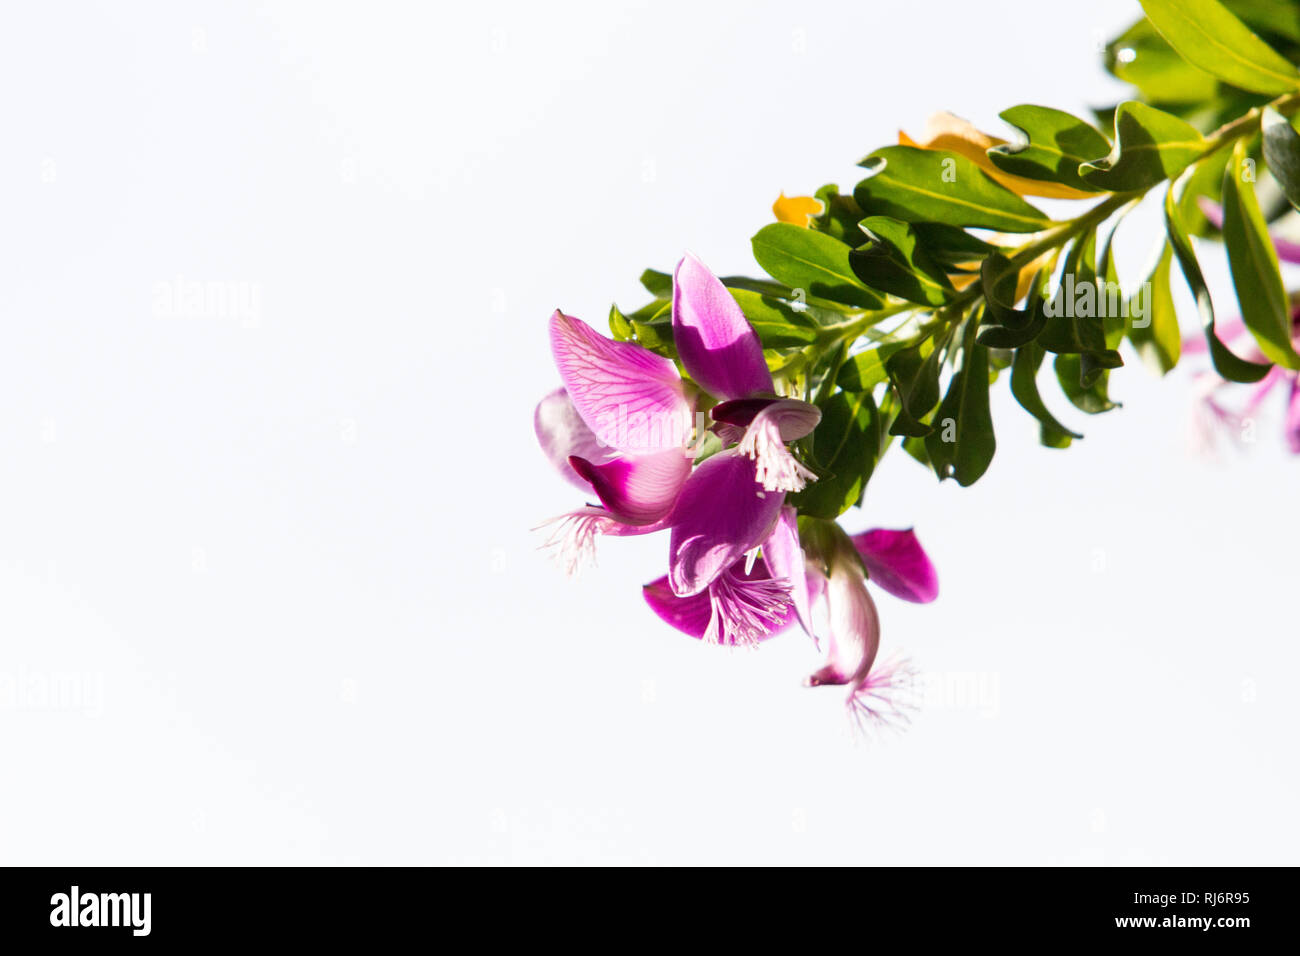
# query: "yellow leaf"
[955,135]
[796,210]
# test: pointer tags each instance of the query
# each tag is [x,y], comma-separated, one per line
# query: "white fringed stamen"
[573,540]
[777,469]
[744,612]
[885,698]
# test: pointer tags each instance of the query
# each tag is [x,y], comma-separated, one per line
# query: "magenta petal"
[690,615]
[721,513]
[630,398]
[785,557]
[715,341]
[896,562]
[637,490]
[794,418]
[562,433]
[740,607]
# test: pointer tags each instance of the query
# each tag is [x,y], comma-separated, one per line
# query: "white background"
[267,589]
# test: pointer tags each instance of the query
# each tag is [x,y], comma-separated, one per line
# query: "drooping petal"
[785,558]
[1293,418]
[740,607]
[896,562]
[629,397]
[853,628]
[572,539]
[721,513]
[714,340]
[637,489]
[562,433]
[765,442]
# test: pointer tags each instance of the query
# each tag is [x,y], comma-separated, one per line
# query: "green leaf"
[1141,56]
[926,185]
[619,326]
[951,246]
[1253,261]
[914,373]
[1024,386]
[812,261]
[961,445]
[1282,153]
[1150,146]
[1075,315]
[844,448]
[658,284]
[894,262]
[1057,143]
[778,324]
[866,370]
[1209,37]
[1157,338]
[1092,398]
[1227,364]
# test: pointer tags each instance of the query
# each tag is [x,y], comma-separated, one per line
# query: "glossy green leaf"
[1253,261]
[1207,35]
[1228,365]
[1150,146]
[914,373]
[1075,314]
[778,324]
[658,284]
[865,370]
[951,247]
[894,262]
[619,326]
[1056,144]
[1024,386]
[1282,153]
[812,261]
[1093,398]
[843,448]
[1141,56]
[962,444]
[1155,335]
[926,185]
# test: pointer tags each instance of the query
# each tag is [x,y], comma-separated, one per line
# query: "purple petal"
[562,433]
[690,615]
[629,397]
[1293,418]
[786,559]
[637,490]
[794,418]
[715,341]
[721,513]
[896,562]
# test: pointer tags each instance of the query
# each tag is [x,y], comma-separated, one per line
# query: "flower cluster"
[707,456]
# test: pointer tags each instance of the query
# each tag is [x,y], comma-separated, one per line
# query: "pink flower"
[896,561]
[620,428]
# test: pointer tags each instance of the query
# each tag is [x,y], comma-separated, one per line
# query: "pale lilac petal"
[714,340]
[629,397]
[638,490]
[562,433]
[765,439]
[896,562]
[785,557]
[853,627]
[1227,330]
[1293,418]
[721,513]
